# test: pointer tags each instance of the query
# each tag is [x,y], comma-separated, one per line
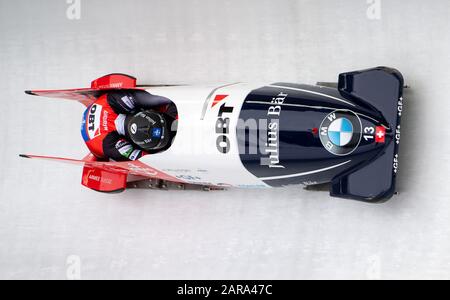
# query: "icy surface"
[46,216]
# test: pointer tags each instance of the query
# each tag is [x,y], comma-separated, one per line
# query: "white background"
[45,214]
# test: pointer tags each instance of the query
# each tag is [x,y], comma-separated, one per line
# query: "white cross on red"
[380,135]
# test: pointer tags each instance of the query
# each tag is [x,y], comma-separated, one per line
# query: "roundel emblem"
[340,132]
[133,128]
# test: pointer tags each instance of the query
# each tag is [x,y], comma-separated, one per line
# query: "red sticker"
[380,134]
[218,98]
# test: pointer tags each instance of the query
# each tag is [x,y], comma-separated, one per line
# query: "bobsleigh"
[243,135]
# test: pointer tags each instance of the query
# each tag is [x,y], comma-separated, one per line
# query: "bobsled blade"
[84,96]
[51,158]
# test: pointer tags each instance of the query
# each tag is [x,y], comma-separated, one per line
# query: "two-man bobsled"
[261,136]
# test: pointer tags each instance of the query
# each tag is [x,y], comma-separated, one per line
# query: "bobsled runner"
[346,134]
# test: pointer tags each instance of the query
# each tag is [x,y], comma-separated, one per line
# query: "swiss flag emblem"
[380,134]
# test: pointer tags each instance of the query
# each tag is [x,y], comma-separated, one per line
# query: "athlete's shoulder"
[122,102]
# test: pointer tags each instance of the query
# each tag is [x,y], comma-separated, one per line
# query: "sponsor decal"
[397,135]
[94,177]
[156,132]
[84,126]
[217,99]
[93,121]
[128,101]
[105,120]
[124,148]
[121,143]
[100,179]
[395,164]
[141,169]
[272,148]
[223,127]
[400,106]
[189,177]
[117,85]
[340,132]
[126,151]
[90,176]
[134,154]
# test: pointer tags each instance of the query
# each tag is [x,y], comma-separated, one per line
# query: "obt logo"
[91,118]
[223,128]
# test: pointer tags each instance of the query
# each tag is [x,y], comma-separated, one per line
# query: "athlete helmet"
[148,130]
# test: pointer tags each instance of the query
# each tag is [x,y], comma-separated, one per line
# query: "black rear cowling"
[287,148]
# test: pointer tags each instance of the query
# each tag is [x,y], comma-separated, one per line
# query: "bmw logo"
[340,132]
